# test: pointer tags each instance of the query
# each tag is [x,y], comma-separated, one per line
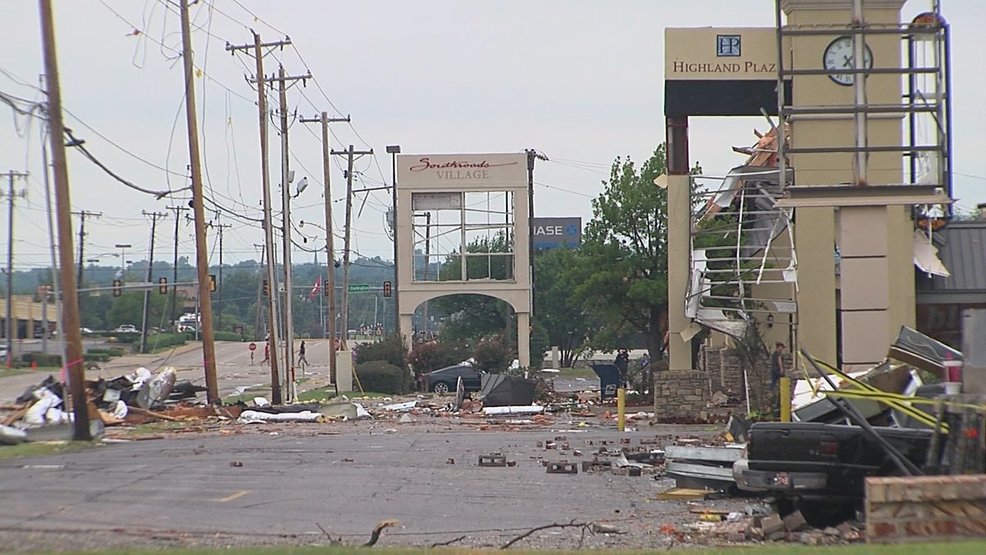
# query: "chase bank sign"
[550,233]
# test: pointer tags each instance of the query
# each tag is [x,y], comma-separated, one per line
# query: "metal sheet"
[716,454]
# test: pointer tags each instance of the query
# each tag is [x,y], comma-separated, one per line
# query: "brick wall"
[681,395]
[726,373]
[925,508]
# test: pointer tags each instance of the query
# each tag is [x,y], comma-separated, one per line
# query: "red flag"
[315,288]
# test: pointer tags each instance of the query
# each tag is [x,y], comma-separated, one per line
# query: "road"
[237,375]
[233,366]
[235,484]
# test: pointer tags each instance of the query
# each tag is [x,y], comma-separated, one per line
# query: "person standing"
[776,365]
[623,364]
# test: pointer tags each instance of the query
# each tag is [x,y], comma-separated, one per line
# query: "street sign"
[252,346]
[359,287]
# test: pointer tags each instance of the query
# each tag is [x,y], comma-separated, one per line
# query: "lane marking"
[236,495]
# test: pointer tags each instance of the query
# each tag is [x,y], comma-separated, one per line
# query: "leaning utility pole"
[174,277]
[150,275]
[82,237]
[257,46]
[198,208]
[330,281]
[63,206]
[282,81]
[349,153]
[11,325]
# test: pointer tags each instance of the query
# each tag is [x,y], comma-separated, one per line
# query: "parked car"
[821,469]
[126,328]
[443,380]
[86,331]
[3,354]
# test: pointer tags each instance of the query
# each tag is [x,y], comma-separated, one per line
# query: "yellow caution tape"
[896,401]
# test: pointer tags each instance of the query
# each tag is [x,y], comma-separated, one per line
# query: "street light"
[394,150]
[123,256]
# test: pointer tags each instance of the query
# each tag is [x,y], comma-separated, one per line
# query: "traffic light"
[387,290]
[162,285]
[212,283]
[266,288]
[117,287]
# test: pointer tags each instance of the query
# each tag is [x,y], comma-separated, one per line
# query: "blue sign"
[550,233]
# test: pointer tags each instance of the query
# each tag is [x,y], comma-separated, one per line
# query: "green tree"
[625,256]
[128,308]
[559,310]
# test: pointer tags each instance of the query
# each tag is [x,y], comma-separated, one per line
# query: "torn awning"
[926,256]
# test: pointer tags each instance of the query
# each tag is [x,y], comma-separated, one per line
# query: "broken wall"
[725,369]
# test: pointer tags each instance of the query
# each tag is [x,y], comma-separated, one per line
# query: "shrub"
[382,377]
[42,359]
[227,336]
[390,349]
[432,355]
[493,355]
[164,340]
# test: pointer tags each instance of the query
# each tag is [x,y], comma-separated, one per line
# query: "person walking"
[302,361]
[266,354]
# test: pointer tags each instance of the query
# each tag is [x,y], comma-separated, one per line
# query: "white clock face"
[839,56]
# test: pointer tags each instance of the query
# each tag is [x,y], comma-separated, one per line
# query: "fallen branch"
[332,541]
[571,524]
[145,412]
[380,527]
[450,542]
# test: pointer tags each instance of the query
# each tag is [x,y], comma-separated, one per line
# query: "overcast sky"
[579,80]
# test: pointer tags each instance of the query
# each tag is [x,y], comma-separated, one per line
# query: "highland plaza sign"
[720,71]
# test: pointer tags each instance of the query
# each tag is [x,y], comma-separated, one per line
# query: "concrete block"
[794,522]
[772,523]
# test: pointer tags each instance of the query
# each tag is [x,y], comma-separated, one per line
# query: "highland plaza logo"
[728,46]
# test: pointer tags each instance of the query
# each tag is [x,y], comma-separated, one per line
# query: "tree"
[560,312]
[623,270]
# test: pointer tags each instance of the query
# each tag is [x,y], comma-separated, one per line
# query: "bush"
[390,349]
[95,357]
[164,340]
[382,377]
[42,359]
[227,336]
[432,355]
[493,355]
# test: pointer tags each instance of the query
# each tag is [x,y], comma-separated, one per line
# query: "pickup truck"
[821,469]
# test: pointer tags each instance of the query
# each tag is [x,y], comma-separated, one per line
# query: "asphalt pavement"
[234,484]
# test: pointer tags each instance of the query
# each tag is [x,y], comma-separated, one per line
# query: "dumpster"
[609,379]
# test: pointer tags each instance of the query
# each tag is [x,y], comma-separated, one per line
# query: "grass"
[958,548]
[7,372]
[41,449]
[573,373]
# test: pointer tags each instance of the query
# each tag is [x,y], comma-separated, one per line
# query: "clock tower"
[850,150]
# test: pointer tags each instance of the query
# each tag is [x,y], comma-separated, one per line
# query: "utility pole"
[330,281]
[282,81]
[63,207]
[350,154]
[150,275]
[11,323]
[531,156]
[219,286]
[82,237]
[198,208]
[258,55]
[174,276]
